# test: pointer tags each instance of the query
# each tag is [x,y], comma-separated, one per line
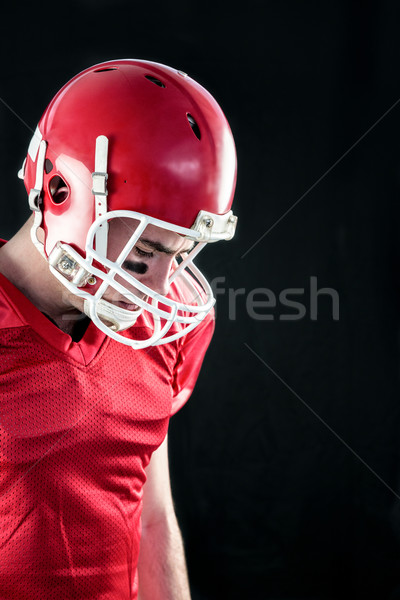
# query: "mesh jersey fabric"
[78,424]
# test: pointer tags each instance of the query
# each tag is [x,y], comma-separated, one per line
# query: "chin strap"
[35,198]
[99,191]
[117,318]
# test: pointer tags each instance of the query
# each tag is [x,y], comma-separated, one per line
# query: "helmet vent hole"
[155,80]
[105,69]
[194,126]
[58,189]
[48,166]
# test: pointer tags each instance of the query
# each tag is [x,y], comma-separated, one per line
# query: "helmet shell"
[171,151]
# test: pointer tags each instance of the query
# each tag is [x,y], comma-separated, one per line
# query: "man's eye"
[142,253]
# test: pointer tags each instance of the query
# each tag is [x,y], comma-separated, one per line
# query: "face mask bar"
[164,312]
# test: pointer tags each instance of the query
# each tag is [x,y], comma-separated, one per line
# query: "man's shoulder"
[9,314]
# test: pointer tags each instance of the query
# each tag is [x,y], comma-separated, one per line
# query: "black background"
[285,463]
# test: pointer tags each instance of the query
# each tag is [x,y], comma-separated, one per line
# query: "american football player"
[104,323]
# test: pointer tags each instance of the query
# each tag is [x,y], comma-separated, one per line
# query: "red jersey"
[78,424]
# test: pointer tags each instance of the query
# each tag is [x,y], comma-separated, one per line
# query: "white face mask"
[161,312]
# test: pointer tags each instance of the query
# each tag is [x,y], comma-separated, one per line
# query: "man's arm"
[162,566]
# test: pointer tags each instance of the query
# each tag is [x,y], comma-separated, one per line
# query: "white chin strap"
[114,317]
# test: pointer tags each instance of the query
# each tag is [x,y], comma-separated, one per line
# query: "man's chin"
[117,315]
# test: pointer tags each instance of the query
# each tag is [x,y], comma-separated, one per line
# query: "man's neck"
[25,268]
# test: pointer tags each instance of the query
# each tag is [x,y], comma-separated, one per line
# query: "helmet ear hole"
[58,189]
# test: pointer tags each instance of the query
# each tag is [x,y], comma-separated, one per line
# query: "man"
[103,329]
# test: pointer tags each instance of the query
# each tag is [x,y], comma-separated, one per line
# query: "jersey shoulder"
[193,345]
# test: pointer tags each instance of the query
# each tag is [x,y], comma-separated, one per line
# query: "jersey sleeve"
[190,359]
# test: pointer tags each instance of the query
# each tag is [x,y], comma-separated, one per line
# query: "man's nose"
[157,277]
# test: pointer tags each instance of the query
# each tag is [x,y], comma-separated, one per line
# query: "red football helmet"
[137,140]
